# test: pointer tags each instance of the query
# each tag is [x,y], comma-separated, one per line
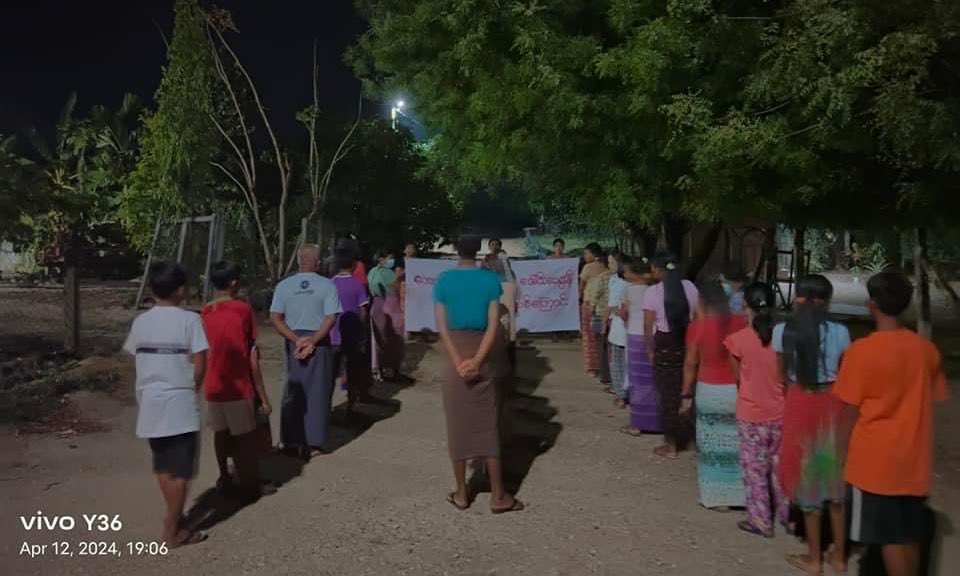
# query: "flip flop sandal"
[664,452]
[452,499]
[192,537]
[799,561]
[749,528]
[631,431]
[516,507]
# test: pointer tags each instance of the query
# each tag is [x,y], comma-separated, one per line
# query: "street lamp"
[396,109]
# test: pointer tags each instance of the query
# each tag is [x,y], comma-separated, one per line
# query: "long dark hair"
[802,352]
[759,297]
[674,297]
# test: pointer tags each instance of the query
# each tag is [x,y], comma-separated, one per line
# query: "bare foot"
[805,563]
[837,562]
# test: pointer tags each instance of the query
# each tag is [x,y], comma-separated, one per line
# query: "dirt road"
[598,502]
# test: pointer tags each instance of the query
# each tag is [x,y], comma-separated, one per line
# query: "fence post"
[71,300]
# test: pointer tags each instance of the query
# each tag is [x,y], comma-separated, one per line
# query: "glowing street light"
[396,109]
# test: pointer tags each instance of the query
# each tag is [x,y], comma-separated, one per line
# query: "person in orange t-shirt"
[888,382]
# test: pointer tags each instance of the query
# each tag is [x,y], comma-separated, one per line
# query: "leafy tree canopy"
[631,111]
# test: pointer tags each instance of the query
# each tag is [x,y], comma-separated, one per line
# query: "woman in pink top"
[760,402]
[668,308]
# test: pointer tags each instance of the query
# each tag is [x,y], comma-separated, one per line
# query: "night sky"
[104,48]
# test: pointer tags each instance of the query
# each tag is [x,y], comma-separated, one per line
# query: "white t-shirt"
[163,340]
[618,329]
[633,298]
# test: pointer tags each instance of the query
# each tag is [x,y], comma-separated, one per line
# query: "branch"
[222,72]
[253,90]
[800,131]
[246,193]
[243,165]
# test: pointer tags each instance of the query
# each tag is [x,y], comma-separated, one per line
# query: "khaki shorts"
[237,416]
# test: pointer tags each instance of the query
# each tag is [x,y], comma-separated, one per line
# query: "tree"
[23,192]
[650,115]
[174,175]
[380,193]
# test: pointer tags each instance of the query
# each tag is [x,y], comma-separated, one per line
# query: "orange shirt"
[893,377]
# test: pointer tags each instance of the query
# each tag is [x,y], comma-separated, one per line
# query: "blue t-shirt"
[305,300]
[834,341]
[467,294]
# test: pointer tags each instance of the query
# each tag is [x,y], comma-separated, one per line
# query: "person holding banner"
[588,338]
[468,312]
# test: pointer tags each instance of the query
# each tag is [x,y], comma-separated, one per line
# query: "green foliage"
[23,192]
[378,193]
[179,139]
[630,112]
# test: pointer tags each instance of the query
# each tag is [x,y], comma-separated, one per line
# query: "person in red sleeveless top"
[707,366]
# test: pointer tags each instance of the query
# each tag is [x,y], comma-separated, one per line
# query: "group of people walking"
[783,415]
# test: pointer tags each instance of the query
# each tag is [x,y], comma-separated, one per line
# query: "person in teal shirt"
[468,312]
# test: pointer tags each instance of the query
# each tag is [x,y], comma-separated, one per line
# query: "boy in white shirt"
[170,349]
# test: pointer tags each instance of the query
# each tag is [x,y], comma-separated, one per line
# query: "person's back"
[633,297]
[162,340]
[894,376]
[467,293]
[353,296]
[232,333]
[303,299]
[709,332]
[760,392]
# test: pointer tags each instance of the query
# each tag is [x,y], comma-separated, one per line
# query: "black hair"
[497,240]
[382,253]
[165,278]
[638,266]
[468,246]
[593,248]
[622,261]
[802,354]
[759,297]
[674,296]
[559,240]
[223,274]
[890,291]
[344,259]
[734,274]
[715,298]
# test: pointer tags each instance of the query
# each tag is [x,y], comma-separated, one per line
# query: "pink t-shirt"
[760,395]
[653,301]
[633,298]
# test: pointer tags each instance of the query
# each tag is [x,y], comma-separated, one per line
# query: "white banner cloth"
[548,299]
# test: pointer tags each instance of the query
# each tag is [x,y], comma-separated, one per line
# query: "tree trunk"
[703,252]
[769,261]
[799,254]
[674,229]
[922,280]
[645,241]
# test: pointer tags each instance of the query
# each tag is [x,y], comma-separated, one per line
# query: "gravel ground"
[598,501]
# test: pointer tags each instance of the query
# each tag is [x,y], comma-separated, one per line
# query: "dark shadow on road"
[527,428]
[212,507]
[346,426]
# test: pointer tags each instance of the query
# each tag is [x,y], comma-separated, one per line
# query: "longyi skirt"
[471,407]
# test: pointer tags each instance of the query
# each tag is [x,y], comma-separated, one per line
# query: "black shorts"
[883,520]
[176,455]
